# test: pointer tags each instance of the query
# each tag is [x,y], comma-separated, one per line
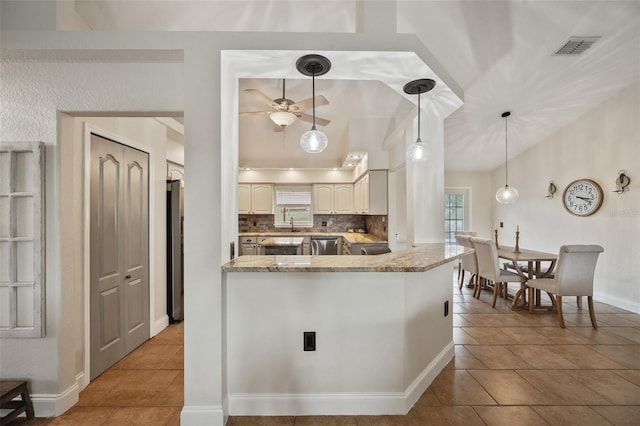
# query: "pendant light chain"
[506,147]
[418,115]
[313,94]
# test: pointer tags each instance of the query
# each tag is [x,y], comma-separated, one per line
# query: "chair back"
[375,249]
[487,255]
[470,261]
[576,268]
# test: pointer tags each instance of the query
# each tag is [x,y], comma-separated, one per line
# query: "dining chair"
[489,267]
[468,262]
[573,277]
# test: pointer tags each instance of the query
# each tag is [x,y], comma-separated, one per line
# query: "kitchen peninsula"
[337,334]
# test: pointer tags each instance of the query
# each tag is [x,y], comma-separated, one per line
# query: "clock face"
[582,197]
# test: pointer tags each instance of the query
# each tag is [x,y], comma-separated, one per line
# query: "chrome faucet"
[291,224]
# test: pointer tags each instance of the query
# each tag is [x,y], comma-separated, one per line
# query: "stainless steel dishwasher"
[325,245]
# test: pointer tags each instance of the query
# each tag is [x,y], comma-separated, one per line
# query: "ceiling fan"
[284,112]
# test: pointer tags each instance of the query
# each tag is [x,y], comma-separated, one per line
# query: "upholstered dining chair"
[489,267]
[573,277]
[468,262]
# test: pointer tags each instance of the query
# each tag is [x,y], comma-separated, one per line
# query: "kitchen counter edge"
[419,258]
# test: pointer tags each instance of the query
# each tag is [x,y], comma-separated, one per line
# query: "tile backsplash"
[376,225]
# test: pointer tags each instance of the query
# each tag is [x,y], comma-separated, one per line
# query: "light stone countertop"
[282,241]
[419,258]
[352,237]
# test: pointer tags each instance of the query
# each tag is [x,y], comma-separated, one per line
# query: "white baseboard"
[617,302]
[428,375]
[206,415]
[160,325]
[366,403]
[52,405]
[82,380]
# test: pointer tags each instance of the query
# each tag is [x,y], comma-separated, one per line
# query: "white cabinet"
[248,246]
[370,193]
[256,198]
[333,198]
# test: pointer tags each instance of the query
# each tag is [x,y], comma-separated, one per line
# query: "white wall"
[595,146]
[482,198]
[32,95]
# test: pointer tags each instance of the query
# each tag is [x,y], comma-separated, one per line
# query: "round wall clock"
[582,197]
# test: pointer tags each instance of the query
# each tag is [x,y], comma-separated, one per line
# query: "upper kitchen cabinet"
[255,198]
[333,198]
[370,193]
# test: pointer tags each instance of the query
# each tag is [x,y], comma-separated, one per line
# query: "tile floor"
[511,368]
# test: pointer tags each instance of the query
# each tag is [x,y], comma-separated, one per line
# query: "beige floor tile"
[489,336]
[603,308]
[613,320]
[585,356]
[631,375]
[620,416]
[175,362]
[571,415]
[563,336]
[526,336]
[460,337]
[458,387]
[411,419]
[541,357]
[326,421]
[562,388]
[497,357]
[84,416]
[462,416]
[172,335]
[611,386]
[625,355]
[509,416]
[601,336]
[474,308]
[145,416]
[465,360]
[149,357]
[428,399]
[492,320]
[261,421]
[634,318]
[509,388]
[629,333]
[459,321]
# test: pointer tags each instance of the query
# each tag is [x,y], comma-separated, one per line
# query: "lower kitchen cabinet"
[249,246]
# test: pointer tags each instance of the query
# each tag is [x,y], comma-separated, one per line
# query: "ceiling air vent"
[576,45]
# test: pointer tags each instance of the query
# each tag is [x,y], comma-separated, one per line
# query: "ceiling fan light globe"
[418,151]
[507,195]
[314,141]
[283,118]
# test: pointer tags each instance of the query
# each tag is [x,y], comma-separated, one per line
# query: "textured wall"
[334,223]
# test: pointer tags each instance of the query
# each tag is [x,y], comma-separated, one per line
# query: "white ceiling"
[499,52]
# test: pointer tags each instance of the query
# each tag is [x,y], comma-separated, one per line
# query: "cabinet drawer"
[244,240]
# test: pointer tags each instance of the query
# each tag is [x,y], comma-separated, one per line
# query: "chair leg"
[592,312]
[496,290]
[531,290]
[559,307]
[461,278]
[579,302]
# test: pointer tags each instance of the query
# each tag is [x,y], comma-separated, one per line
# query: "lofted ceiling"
[499,52]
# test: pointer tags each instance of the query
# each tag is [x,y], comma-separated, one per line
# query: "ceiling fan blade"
[308,103]
[255,113]
[261,96]
[319,121]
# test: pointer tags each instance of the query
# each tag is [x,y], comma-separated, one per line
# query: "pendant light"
[507,194]
[418,151]
[313,141]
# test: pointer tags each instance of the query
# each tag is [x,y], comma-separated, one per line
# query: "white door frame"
[83,380]
[468,194]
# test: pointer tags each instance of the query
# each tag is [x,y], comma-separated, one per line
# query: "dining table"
[534,260]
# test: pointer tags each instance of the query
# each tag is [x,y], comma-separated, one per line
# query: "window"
[454,213]
[293,202]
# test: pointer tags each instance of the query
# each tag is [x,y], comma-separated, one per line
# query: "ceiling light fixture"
[283,118]
[507,194]
[313,141]
[418,151]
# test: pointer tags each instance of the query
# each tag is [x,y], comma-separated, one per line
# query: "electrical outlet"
[446,308]
[309,340]
[324,223]
[501,224]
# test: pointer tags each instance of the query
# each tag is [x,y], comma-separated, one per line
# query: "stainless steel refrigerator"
[175,252]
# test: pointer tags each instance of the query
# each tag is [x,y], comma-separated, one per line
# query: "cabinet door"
[365,194]
[323,199]
[249,249]
[244,198]
[343,198]
[262,199]
[377,199]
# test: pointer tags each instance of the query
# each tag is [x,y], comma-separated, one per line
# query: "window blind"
[293,195]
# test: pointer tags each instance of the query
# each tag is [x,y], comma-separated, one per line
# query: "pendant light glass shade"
[314,141]
[419,151]
[283,118]
[507,194]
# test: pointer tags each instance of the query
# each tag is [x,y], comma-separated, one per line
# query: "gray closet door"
[119,212]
